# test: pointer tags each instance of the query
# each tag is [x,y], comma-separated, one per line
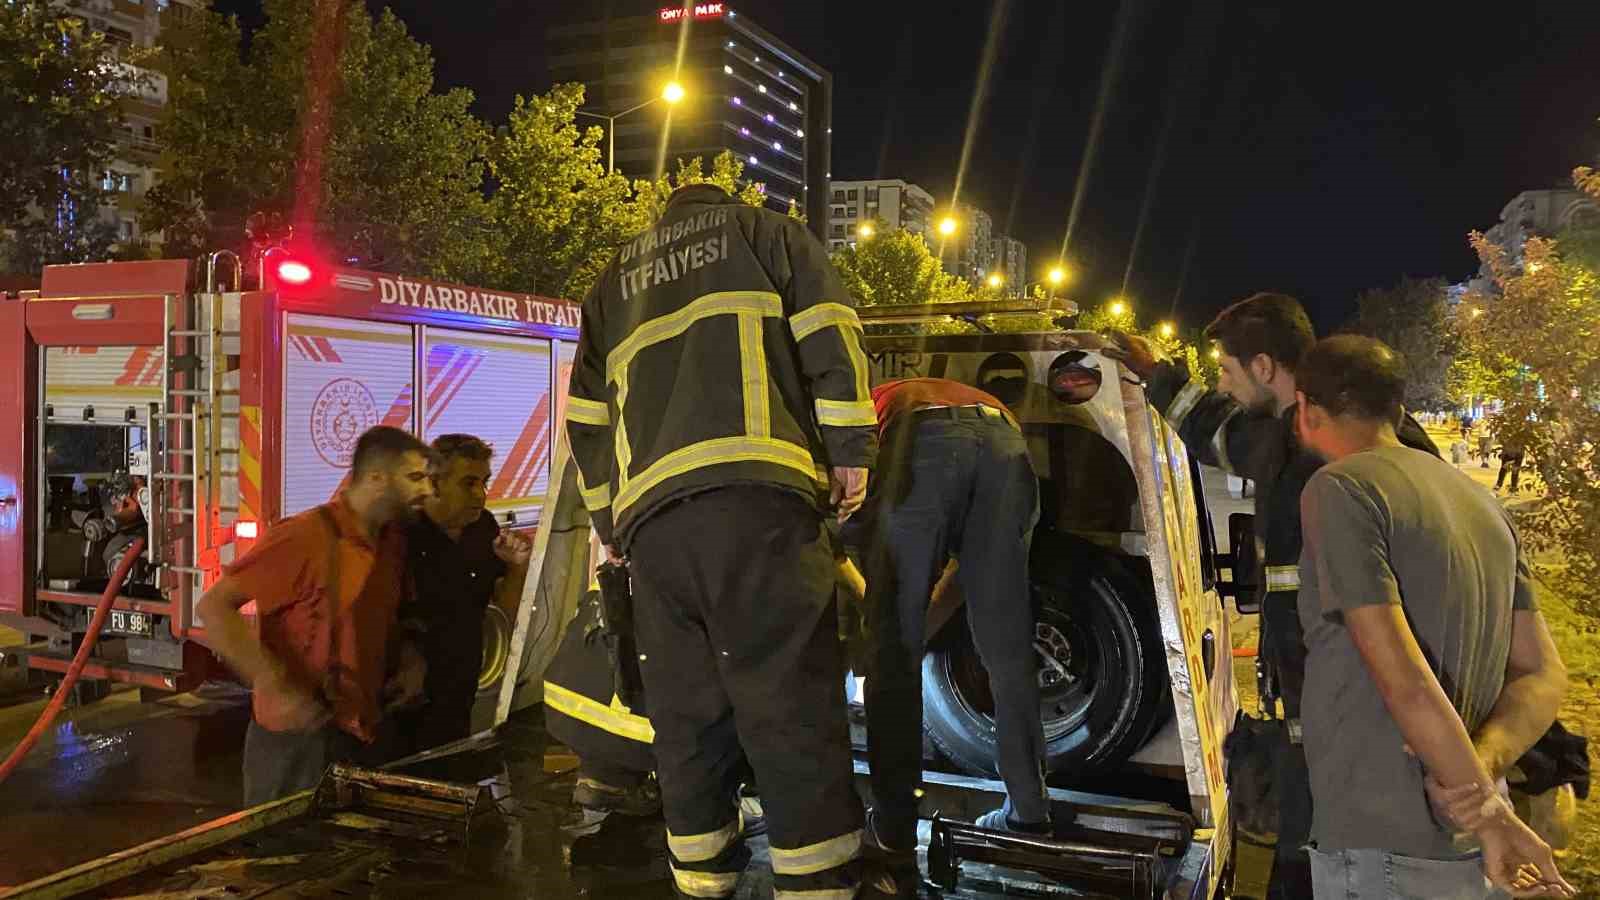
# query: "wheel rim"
[1069,672]
[496,647]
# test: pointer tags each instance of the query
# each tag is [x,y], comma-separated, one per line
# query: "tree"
[558,215]
[1536,336]
[59,113]
[402,171]
[727,172]
[895,268]
[1413,317]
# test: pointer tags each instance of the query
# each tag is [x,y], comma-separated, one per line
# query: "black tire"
[1088,603]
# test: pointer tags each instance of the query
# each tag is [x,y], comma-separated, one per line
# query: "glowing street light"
[947,225]
[1167,330]
[671,94]
[1216,352]
[865,231]
[995,281]
[1118,307]
[1057,275]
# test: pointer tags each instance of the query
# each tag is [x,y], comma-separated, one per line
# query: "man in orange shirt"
[326,585]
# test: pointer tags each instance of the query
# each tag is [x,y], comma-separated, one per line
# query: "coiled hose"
[53,708]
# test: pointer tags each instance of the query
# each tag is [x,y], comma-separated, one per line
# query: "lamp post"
[671,94]
[1056,277]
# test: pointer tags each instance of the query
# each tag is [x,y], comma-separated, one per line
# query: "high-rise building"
[891,201]
[969,253]
[1010,259]
[133,24]
[745,91]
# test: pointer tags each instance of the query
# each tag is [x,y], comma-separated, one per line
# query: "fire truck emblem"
[343,410]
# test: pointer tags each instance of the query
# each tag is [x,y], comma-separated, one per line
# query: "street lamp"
[1057,275]
[671,94]
[947,226]
[1118,307]
[1166,330]
[865,231]
[995,281]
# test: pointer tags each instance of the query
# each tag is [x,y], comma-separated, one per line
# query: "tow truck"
[1134,664]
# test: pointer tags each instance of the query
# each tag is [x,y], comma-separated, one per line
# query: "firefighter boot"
[642,799]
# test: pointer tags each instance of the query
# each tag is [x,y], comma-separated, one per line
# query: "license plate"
[137,624]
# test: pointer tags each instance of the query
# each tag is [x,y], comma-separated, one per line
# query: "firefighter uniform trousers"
[734,607]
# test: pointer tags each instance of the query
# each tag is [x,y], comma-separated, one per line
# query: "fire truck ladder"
[187,445]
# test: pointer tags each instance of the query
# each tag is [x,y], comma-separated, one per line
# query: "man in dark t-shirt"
[460,562]
[1427,660]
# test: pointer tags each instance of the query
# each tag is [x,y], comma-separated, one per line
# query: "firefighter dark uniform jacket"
[718,347]
[1263,448]
[581,707]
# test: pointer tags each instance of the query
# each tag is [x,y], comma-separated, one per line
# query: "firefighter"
[1246,427]
[718,405]
[954,478]
[460,563]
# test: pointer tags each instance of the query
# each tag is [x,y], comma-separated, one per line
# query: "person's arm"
[822,319]
[514,551]
[590,414]
[1536,681]
[1217,431]
[229,634]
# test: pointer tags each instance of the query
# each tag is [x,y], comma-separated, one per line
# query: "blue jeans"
[1379,875]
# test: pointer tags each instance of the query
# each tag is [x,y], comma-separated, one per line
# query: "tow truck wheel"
[1102,676]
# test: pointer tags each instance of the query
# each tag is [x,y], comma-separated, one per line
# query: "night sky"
[1317,149]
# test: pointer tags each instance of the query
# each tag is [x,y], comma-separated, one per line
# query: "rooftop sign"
[691,11]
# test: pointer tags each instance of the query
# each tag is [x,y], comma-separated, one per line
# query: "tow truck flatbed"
[491,817]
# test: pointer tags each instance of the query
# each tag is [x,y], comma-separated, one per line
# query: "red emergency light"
[294,272]
[246,530]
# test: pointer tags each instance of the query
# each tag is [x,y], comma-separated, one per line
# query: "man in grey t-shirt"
[1420,629]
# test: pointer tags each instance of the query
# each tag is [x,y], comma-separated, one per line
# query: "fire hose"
[79,660]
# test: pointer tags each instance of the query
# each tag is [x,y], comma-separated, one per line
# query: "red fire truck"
[142,399]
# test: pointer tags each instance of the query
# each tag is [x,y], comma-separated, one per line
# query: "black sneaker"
[644,799]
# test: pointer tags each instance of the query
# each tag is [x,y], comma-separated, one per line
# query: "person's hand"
[1518,861]
[847,489]
[1133,351]
[513,549]
[405,687]
[300,710]
[1467,807]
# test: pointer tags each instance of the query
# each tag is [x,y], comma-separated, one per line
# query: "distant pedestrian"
[1511,455]
[1485,447]
[1458,452]
[1466,426]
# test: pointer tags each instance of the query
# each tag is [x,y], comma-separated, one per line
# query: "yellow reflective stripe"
[594,499]
[753,371]
[667,327]
[694,848]
[715,452]
[619,435]
[1219,442]
[705,884]
[1283,578]
[807,322]
[846,413]
[1183,404]
[818,857]
[616,718]
[858,361]
[587,412]
[822,894]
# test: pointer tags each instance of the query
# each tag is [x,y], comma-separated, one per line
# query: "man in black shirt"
[460,561]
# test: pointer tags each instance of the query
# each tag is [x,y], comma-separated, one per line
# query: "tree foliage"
[727,172]
[60,114]
[1413,317]
[1536,334]
[895,268]
[402,172]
